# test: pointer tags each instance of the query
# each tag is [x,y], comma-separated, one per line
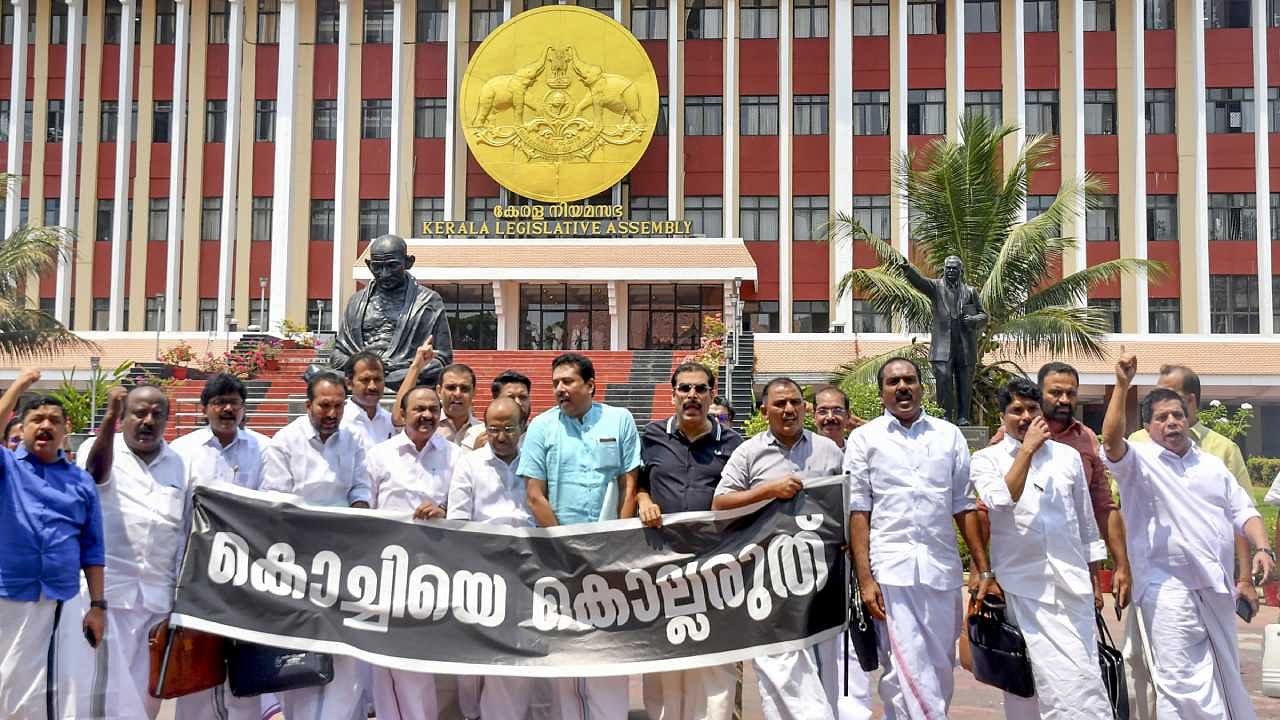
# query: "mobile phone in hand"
[88,636]
[1244,609]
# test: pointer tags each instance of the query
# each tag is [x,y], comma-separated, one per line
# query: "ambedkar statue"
[393,316]
[958,319]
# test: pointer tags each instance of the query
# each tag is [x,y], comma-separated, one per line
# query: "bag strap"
[1103,631]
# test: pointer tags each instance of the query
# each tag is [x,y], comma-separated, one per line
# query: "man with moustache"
[515,385]
[1183,508]
[909,478]
[683,457]
[363,412]
[774,465]
[1045,548]
[579,462]
[51,532]
[457,391]
[410,473]
[143,488]
[322,463]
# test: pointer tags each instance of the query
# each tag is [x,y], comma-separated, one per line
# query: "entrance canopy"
[576,259]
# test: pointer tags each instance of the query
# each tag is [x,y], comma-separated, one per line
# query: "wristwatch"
[986,575]
[99,604]
[1268,551]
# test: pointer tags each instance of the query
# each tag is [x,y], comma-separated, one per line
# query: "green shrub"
[1263,470]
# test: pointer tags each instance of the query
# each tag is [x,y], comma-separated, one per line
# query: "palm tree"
[964,203]
[27,333]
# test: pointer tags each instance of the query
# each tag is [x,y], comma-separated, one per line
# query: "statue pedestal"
[978,436]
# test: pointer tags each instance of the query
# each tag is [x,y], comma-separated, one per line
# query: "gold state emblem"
[559,103]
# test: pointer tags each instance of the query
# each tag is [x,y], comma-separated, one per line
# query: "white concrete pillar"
[1193,187]
[675,111]
[287,194]
[1013,73]
[955,68]
[730,114]
[340,158]
[786,282]
[1131,119]
[840,138]
[230,166]
[899,214]
[1071,99]
[454,190]
[124,146]
[1262,166]
[70,146]
[401,147]
[17,115]
[177,152]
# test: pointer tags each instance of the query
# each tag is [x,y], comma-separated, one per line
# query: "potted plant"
[79,404]
[177,357]
[295,334]
[268,352]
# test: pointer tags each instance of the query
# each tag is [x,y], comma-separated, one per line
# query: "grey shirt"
[763,458]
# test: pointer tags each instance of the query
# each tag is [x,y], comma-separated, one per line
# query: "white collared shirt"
[1042,543]
[330,474]
[1181,516]
[144,524]
[370,430]
[209,462]
[401,477]
[912,480]
[464,438]
[487,489]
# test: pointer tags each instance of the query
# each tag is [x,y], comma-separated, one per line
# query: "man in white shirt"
[222,453]
[1183,509]
[457,391]
[486,489]
[143,490]
[909,479]
[774,465]
[1045,547]
[410,473]
[323,464]
[363,412]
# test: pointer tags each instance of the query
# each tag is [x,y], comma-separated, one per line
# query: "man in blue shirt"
[580,461]
[51,530]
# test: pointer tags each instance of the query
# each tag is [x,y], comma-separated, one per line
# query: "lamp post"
[94,363]
[230,317]
[262,304]
[159,320]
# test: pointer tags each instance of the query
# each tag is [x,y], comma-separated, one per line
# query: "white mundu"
[913,480]
[1041,547]
[1182,515]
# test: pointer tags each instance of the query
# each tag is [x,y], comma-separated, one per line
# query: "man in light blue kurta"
[580,461]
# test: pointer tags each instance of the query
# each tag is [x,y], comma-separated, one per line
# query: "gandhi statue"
[393,316]
[958,319]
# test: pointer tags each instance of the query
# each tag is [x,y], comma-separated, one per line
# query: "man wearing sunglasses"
[683,456]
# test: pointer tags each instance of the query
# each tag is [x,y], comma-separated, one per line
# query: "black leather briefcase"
[862,632]
[1112,661]
[999,651]
[257,669]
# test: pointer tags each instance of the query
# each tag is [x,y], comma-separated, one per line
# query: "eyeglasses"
[226,402]
[836,412]
[505,430]
[722,417]
[700,388]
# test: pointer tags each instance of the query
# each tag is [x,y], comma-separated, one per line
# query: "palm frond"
[1057,330]
[30,251]
[887,291]
[1074,288]
[863,370]
[29,334]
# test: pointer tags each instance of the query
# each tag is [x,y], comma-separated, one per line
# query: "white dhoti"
[1195,658]
[219,704]
[403,695]
[128,666]
[505,697]
[1137,664]
[28,658]
[336,700]
[918,651]
[469,689]
[1063,648]
[791,687]
[594,698]
[847,685]
[705,693]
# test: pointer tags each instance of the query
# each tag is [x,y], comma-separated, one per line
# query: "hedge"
[1263,470]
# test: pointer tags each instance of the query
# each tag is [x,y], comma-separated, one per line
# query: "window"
[985,102]
[473,320]
[211,218]
[926,17]
[375,119]
[379,21]
[1232,216]
[429,118]
[1273,14]
[669,316]
[1102,221]
[702,115]
[866,319]
[28,120]
[564,317]
[1273,109]
[870,17]
[660,125]
[1275,215]
[268,22]
[426,209]
[871,112]
[166,21]
[810,18]
[872,213]
[706,214]
[478,209]
[111,25]
[154,317]
[1037,205]
[325,120]
[102,314]
[258,312]
[809,115]
[1100,112]
[1233,303]
[486,15]
[1162,217]
[109,121]
[57,20]
[1226,14]
[602,6]
[1109,309]
[1164,315]
[926,112]
[982,16]
[1275,301]
[433,20]
[102,221]
[1228,110]
[810,316]
[1160,111]
[705,20]
[157,219]
[208,314]
[759,114]
[761,315]
[374,218]
[1042,112]
[319,315]
[1159,14]
[322,219]
[4,121]
[327,22]
[264,121]
[758,217]
[1099,15]
[648,208]
[162,121]
[1040,15]
[53,131]
[51,206]
[260,219]
[810,216]
[219,22]
[649,19]
[215,121]
[758,18]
